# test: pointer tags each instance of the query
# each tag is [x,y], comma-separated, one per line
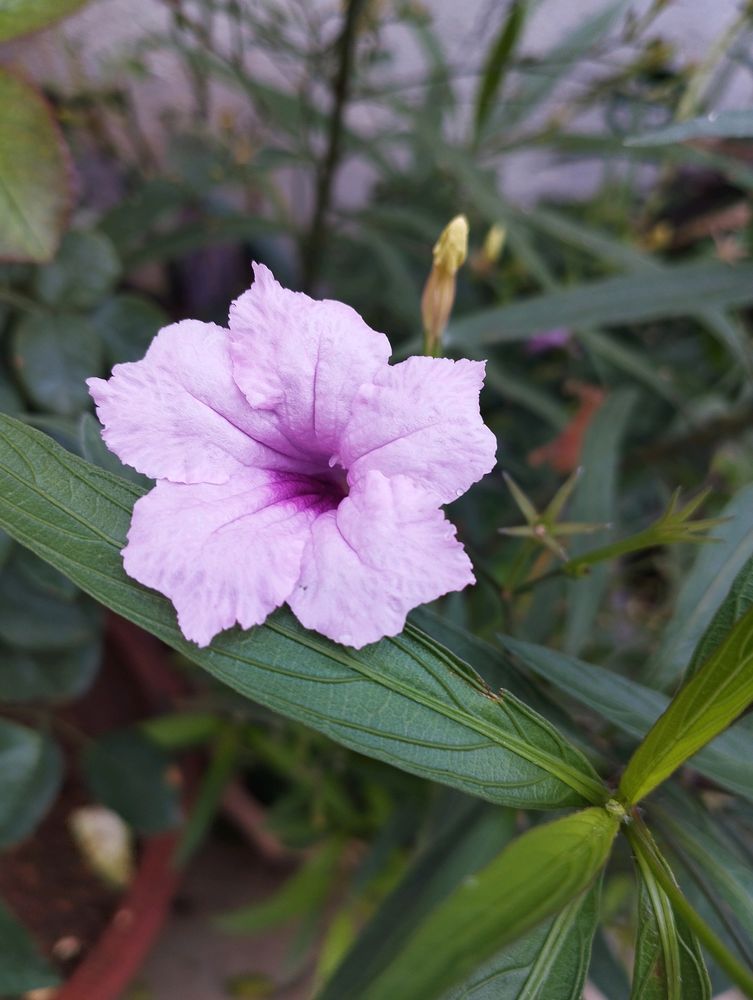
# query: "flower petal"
[386,549]
[222,553]
[178,414]
[302,358]
[421,419]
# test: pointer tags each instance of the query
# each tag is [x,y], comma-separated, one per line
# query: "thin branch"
[316,238]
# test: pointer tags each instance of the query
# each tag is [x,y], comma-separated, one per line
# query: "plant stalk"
[316,238]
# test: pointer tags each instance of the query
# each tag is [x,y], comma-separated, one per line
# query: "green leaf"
[128,773]
[469,841]
[705,588]
[607,248]
[704,706]
[599,243]
[590,145]
[31,769]
[651,861]
[668,960]
[595,502]
[22,967]
[35,187]
[622,255]
[54,677]
[560,60]
[308,888]
[481,655]
[717,125]
[33,619]
[634,708]
[437,718]
[711,859]
[730,333]
[127,324]
[550,962]
[53,356]
[81,275]
[497,61]
[19,17]
[496,670]
[533,878]
[730,611]
[681,290]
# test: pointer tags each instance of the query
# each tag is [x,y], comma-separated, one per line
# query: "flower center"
[333,482]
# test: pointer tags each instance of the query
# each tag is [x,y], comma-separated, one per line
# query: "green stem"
[642,540]
[574,567]
[644,846]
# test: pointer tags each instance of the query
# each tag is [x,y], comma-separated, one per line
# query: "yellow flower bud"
[494,244]
[450,252]
[451,249]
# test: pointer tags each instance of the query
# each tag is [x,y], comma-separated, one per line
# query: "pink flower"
[294,464]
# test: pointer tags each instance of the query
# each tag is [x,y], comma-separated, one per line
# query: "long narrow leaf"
[595,502]
[703,707]
[681,290]
[668,960]
[498,61]
[634,708]
[467,844]
[705,850]
[532,879]
[719,125]
[551,961]
[705,588]
[435,717]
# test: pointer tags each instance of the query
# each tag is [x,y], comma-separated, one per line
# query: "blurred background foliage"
[617,331]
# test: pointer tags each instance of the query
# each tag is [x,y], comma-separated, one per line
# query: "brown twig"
[314,244]
[250,820]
